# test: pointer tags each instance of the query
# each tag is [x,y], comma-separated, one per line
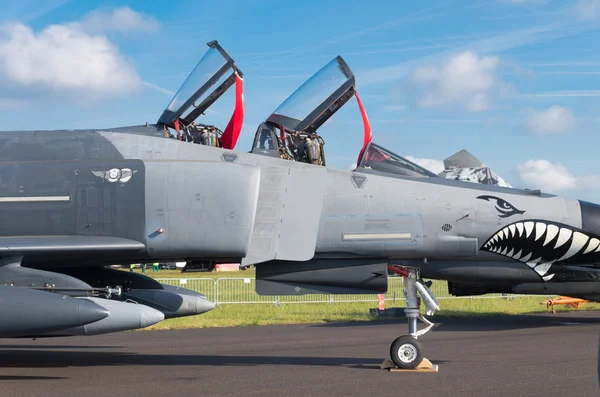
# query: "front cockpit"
[196,95]
[291,132]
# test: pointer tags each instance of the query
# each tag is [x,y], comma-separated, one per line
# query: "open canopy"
[377,158]
[212,67]
[290,132]
[315,101]
[196,94]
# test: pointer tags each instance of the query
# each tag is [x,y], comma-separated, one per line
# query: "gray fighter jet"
[73,202]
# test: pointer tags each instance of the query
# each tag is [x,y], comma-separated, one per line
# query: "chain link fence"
[242,290]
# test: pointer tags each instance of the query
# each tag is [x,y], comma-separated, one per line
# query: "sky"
[515,82]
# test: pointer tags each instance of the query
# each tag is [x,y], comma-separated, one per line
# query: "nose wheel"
[406,352]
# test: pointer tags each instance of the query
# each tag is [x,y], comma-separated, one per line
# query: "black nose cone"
[590,217]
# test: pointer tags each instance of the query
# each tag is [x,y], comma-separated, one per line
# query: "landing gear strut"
[406,351]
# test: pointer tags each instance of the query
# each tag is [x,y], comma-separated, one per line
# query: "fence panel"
[205,286]
[242,290]
[235,290]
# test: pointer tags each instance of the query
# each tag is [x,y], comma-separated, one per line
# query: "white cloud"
[589,182]
[548,176]
[542,174]
[435,166]
[352,167]
[587,9]
[554,120]
[73,58]
[466,79]
[122,19]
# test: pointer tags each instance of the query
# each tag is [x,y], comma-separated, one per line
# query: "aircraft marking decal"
[504,208]
[231,157]
[114,174]
[358,180]
[539,244]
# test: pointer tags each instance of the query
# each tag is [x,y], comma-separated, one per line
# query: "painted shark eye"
[504,208]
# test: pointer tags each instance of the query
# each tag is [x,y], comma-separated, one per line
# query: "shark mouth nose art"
[539,244]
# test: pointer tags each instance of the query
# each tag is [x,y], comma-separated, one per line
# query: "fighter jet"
[73,202]
[316,229]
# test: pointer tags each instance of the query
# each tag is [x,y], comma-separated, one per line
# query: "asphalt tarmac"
[532,355]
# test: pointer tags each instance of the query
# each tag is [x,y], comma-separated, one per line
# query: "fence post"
[216,291]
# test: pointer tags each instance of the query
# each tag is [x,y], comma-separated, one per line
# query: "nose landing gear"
[406,352]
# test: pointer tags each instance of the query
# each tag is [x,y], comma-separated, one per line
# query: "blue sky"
[516,82]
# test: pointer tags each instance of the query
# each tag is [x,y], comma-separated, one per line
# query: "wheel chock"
[424,366]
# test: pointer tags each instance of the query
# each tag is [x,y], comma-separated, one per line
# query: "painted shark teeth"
[551,232]
[593,244]
[548,277]
[517,256]
[578,242]
[526,258]
[533,263]
[528,228]
[519,229]
[563,235]
[539,244]
[540,229]
[542,268]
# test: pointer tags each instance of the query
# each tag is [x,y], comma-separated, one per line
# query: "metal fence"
[242,290]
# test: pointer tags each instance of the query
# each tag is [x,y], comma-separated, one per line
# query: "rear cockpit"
[196,95]
[291,132]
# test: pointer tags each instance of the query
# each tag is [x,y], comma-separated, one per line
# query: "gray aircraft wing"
[463,166]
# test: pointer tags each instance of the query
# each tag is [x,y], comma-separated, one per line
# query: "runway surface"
[533,355]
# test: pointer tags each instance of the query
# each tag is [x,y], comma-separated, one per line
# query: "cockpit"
[196,95]
[291,131]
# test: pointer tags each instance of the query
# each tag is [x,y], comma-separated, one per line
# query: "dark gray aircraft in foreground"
[73,202]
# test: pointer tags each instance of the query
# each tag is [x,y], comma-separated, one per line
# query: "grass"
[315,313]
[163,273]
[257,314]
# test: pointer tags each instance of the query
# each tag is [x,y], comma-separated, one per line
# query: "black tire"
[406,352]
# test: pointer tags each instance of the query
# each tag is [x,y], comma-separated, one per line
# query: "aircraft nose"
[590,217]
